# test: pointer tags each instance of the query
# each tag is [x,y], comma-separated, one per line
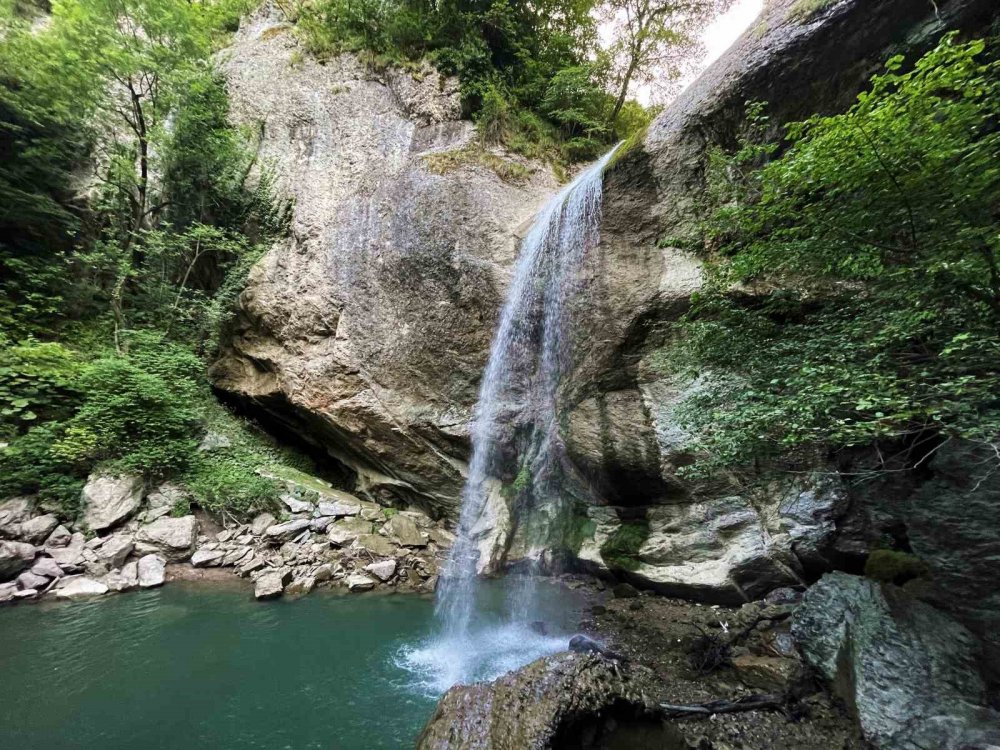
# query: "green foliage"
[853,295]
[803,10]
[892,566]
[36,384]
[521,483]
[227,482]
[137,411]
[237,480]
[621,548]
[29,466]
[526,70]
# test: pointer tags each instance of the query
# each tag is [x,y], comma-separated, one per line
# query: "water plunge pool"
[194,666]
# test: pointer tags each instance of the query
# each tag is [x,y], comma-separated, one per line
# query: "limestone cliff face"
[366,331]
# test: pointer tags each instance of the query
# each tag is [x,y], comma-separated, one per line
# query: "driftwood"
[704,710]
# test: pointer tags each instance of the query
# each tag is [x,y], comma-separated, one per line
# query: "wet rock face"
[908,672]
[367,330]
[579,701]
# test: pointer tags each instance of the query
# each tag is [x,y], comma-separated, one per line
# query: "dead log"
[704,710]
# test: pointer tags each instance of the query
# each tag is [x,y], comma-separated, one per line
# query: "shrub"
[228,482]
[30,466]
[139,411]
[892,566]
[871,245]
[36,384]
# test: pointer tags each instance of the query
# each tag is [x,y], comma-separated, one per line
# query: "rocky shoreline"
[128,539]
[845,664]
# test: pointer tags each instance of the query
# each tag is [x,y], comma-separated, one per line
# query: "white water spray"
[528,358]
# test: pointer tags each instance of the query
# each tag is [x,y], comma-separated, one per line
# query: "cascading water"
[528,358]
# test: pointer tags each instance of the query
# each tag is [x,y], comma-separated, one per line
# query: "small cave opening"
[620,725]
[278,419]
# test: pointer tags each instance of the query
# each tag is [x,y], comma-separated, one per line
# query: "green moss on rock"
[892,566]
[621,549]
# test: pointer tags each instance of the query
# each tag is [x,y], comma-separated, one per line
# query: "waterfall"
[528,358]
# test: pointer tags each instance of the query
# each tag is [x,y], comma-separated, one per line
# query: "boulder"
[130,574]
[284,532]
[271,583]
[359,582]
[569,700]
[383,570]
[116,582]
[236,556]
[767,674]
[116,549]
[207,558]
[70,557]
[151,571]
[404,531]
[338,508]
[16,510]
[262,523]
[109,500]
[717,551]
[377,545]
[37,529]
[295,505]
[174,538]
[346,530]
[29,580]
[300,587]
[908,672]
[14,557]
[441,537]
[321,523]
[323,573]
[214,441]
[60,537]
[953,526]
[7,592]
[166,497]
[46,566]
[80,587]
[250,565]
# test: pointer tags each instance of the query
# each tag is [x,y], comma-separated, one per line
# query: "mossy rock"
[621,549]
[892,566]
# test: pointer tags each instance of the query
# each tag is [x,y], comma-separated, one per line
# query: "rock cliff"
[366,331]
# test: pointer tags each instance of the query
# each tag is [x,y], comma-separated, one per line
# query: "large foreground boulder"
[908,672]
[578,701]
[109,500]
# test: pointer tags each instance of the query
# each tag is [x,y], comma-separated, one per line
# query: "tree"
[853,297]
[653,39]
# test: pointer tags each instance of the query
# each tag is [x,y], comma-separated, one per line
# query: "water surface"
[193,666]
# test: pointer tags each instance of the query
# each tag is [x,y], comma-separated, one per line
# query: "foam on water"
[481,654]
